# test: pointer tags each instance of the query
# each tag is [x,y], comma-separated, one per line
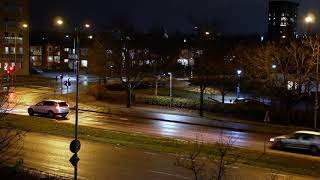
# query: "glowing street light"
[87,25]
[274,66]
[25,25]
[59,22]
[239,72]
[309,19]
[90,37]
[207,33]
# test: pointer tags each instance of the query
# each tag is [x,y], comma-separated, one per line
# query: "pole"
[67,93]
[156,90]
[77,97]
[170,90]
[61,86]
[316,95]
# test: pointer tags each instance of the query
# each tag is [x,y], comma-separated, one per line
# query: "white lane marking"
[168,174]
[150,153]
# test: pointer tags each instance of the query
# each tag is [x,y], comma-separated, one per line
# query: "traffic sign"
[74,160]
[67,83]
[75,146]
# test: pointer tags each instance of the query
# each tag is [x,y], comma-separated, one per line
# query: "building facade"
[14,36]
[282,19]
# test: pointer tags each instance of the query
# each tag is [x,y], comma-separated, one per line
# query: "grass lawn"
[286,163]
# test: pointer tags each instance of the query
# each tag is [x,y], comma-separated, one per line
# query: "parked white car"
[304,140]
[51,108]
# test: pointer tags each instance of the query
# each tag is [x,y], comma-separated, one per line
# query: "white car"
[303,140]
[51,108]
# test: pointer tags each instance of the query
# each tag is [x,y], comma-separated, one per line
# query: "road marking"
[150,153]
[168,174]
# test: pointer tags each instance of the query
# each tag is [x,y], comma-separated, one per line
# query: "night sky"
[230,16]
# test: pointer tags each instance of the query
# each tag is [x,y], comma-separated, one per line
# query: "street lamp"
[25,25]
[170,86]
[239,72]
[310,20]
[274,66]
[75,142]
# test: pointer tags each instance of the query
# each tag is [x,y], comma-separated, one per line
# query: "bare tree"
[282,70]
[215,167]
[192,161]
[224,157]
[202,72]
[9,137]
[131,67]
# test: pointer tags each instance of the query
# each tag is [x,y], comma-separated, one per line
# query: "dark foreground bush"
[27,174]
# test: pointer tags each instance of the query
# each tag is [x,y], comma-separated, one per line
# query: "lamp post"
[239,72]
[75,144]
[170,86]
[310,20]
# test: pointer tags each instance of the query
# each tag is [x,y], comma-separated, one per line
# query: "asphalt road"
[156,127]
[103,161]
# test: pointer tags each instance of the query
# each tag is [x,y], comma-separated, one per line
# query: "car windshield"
[62,104]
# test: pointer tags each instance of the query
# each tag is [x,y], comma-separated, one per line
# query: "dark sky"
[230,16]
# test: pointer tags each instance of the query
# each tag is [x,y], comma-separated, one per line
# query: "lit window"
[50,59]
[66,49]
[5,66]
[0,65]
[66,60]
[84,63]
[57,59]
[13,50]
[20,50]
[284,21]
[6,50]
[13,64]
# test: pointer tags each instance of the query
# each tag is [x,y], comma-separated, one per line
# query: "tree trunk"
[201,102]
[129,95]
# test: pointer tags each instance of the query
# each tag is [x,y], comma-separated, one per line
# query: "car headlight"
[272,139]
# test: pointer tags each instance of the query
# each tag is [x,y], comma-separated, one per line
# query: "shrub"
[103,94]
[165,101]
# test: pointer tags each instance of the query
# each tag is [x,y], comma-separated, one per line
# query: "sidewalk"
[185,116]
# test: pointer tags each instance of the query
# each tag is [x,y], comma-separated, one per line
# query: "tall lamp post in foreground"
[75,144]
[310,20]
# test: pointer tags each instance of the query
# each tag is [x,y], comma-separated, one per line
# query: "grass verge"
[286,163]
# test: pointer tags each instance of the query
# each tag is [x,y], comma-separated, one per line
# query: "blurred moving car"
[302,140]
[51,108]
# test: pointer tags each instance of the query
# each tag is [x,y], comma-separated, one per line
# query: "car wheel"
[314,150]
[30,112]
[278,145]
[64,115]
[51,114]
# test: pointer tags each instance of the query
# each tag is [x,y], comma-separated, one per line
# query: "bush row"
[165,101]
